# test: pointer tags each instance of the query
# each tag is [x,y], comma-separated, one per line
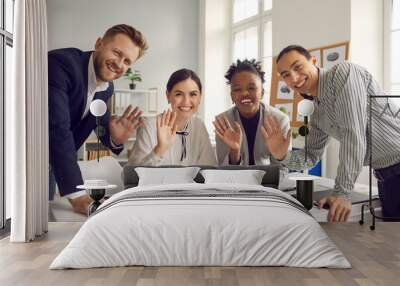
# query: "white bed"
[201,224]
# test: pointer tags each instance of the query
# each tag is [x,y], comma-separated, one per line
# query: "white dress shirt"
[93,87]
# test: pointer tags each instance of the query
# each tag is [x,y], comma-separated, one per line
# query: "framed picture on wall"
[284,92]
[286,108]
[333,55]
[317,54]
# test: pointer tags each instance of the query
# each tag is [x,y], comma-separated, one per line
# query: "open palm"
[231,136]
[122,128]
[276,141]
[166,130]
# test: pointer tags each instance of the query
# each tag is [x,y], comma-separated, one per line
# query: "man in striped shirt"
[341,101]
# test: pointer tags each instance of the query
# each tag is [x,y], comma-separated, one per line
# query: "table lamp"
[98,108]
[96,188]
[305,184]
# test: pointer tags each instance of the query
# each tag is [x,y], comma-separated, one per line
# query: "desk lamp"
[304,184]
[98,108]
[97,188]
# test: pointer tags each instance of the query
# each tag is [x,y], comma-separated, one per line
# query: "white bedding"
[237,228]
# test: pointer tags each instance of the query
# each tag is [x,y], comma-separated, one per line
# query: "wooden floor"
[374,255]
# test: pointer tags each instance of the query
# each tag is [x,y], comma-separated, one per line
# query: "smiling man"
[75,79]
[340,97]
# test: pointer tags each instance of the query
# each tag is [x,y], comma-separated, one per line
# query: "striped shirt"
[342,112]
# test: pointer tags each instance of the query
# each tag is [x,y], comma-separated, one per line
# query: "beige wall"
[310,23]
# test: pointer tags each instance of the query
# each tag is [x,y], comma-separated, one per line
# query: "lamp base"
[304,193]
[96,195]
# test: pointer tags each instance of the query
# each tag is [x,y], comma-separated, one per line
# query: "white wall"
[367,36]
[366,49]
[367,45]
[310,23]
[171,28]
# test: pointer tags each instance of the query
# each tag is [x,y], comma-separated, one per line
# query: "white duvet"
[225,225]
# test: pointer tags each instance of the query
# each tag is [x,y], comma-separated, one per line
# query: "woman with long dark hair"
[177,136]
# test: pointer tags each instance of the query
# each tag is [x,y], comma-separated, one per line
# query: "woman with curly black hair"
[247,117]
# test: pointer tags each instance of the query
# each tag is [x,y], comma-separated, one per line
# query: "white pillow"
[163,176]
[249,177]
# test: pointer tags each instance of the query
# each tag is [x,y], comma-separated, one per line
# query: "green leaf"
[283,109]
[133,76]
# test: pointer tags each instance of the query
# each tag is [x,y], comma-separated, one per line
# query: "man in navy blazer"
[76,78]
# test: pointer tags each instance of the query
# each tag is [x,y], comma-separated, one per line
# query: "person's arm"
[119,129]
[143,150]
[316,142]
[165,137]
[222,151]
[206,155]
[229,141]
[278,144]
[62,151]
[284,123]
[106,139]
[351,113]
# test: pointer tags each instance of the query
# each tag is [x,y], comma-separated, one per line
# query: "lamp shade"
[98,107]
[305,107]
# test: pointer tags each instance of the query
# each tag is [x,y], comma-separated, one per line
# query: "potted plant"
[134,76]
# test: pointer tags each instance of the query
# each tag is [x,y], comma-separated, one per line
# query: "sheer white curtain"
[26,126]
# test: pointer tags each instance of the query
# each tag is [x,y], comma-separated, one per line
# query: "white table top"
[288,184]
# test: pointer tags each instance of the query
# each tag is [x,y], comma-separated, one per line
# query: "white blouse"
[198,146]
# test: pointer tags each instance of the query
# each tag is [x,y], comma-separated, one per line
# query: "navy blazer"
[68,87]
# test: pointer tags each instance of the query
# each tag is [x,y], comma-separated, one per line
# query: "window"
[252,35]
[9,15]
[6,64]
[243,9]
[246,43]
[395,49]
[391,48]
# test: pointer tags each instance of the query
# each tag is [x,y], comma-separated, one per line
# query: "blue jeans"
[389,190]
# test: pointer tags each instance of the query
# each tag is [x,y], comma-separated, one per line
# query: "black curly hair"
[246,65]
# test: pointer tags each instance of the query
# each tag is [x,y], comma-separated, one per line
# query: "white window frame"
[258,20]
[388,81]
[6,39]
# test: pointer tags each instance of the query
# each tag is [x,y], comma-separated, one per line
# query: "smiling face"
[112,57]
[246,93]
[299,73]
[184,98]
